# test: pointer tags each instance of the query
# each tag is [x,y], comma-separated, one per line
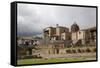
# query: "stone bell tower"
[74,32]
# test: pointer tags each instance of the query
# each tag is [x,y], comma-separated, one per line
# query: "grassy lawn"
[53,60]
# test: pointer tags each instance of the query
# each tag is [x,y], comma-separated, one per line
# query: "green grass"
[53,60]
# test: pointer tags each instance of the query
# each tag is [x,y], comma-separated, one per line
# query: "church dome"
[74,27]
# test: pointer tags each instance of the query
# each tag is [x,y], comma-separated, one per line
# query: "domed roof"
[74,27]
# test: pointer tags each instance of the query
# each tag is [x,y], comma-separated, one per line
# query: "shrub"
[94,50]
[74,51]
[79,51]
[68,51]
[88,50]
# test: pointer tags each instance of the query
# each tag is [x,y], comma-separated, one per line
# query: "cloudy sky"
[33,18]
